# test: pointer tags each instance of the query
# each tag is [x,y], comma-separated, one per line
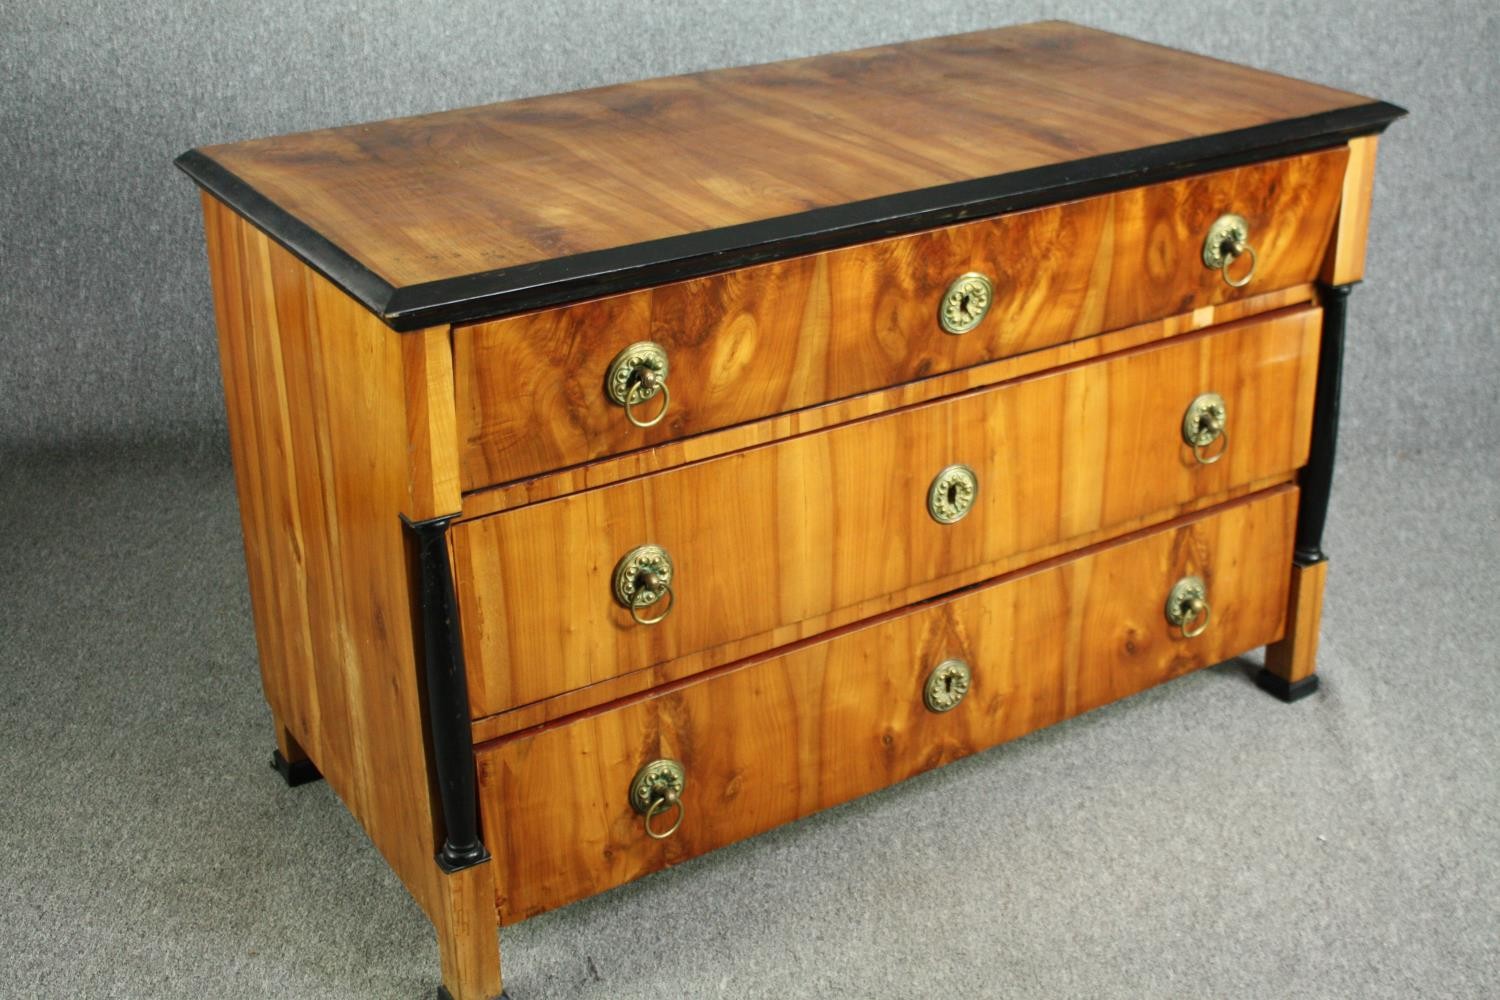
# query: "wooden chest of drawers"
[628,472]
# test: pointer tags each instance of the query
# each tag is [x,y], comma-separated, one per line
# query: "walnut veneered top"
[490,210]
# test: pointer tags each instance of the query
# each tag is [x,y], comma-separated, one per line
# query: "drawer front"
[777,337]
[773,739]
[784,541]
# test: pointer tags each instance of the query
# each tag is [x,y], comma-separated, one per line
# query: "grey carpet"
[1201,840]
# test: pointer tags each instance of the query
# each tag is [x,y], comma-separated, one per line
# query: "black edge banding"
[491,294]
[305,243]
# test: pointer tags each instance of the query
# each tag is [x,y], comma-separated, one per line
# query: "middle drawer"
[783,541]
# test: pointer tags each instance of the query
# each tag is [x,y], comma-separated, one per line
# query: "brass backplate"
[1227,232]
[1180,602]
[653,780]
[965,302]
[952,494]
[947,685]
[1205,419]
[642,576]
[624,383]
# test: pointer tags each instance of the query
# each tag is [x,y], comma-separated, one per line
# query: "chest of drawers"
[625,473]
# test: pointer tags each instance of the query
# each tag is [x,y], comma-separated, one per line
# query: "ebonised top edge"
[491,294]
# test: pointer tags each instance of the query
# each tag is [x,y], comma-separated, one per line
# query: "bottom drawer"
[779,736]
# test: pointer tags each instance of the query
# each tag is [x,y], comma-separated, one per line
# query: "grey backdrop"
[106,313]
[1200,840]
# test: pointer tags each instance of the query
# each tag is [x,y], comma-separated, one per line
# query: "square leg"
[468,932]
[1291,666]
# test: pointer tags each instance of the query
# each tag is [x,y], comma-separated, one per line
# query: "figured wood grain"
[318,393]
[463,192]
[800,332]
[623,686]
[730,439]
[1295,657]
[1346,253]
[837,521]
[770,740]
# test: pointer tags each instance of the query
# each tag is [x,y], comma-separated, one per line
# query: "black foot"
[1287,692]
[443,994]
[300,773]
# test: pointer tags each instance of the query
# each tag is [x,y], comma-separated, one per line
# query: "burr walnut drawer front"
[544,390]
[694,567]
[768,740]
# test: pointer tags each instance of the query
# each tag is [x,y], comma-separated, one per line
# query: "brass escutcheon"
[1227,241]
[656,788]
[965,302]
[947,685]
[1206,421]
[952,493]
[636,375]
[1187,606]
[642,577]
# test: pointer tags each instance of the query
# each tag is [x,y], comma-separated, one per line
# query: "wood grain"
[468,935]
[322,442]
[1295,657]
[791,533]
[800,332]
[1346,253]
[462,192]
[712,444]
[777,738]
[612,689]
[432,436]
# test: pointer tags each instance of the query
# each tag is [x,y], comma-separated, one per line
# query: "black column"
[1316,478]
[447,698]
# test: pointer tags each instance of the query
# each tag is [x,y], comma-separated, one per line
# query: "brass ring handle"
[1220,433]
[1236,251]
[653,385]
[652,585]
[1205,421]
[1227,241]
[1199,613]
[1187,606]
[656,788]
[659,805]
[637,374]
[642,577]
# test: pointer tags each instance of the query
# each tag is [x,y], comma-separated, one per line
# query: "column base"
[294,772]
[1287,691]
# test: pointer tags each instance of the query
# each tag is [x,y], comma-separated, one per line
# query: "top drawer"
[762,340]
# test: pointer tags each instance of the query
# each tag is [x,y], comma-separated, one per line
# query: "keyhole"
[953,494]
[948,684]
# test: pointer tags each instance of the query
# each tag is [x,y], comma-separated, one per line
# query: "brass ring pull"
[651,585]
[1206,421]
[1227,241]
[1187,606]
[642,389]
[637,374]
[655,789]
[1198,612]
[1237,251]
[1199,451]
[642,578]
[667,800]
